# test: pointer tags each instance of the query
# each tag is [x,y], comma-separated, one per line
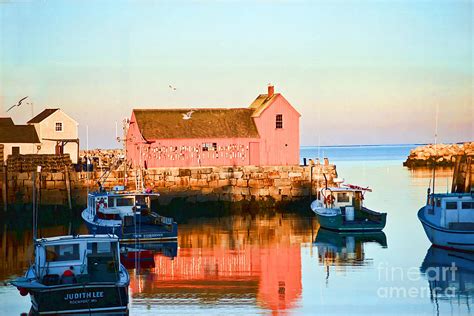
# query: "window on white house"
[279,121]
[209,146]
[59,126]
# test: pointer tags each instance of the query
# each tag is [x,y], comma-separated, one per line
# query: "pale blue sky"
[359,72]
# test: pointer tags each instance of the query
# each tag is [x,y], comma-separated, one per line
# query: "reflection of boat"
[340,208]
[76,274]
[128,215]
[445,281]
[142,255]
[346,248]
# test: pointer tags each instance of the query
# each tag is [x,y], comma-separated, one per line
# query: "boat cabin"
[71,259]
[114,206]
[452,211]
[342,197]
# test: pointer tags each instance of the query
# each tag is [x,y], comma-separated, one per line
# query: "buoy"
[23,291]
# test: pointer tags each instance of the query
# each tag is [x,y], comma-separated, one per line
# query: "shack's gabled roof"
[204,123]
[261,103]
[18,134]
[41,116]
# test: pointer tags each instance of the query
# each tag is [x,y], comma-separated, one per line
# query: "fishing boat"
[76,274]
[341,208]
[128,215]
[448,218]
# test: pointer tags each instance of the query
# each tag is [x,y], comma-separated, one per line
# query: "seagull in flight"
[18,103]
[171,87]
[187,116]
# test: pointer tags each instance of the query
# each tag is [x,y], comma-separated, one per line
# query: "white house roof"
[42,116]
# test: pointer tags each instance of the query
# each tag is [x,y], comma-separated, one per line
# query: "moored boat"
[448,220]
[341,209]
[76,274]
[127,215]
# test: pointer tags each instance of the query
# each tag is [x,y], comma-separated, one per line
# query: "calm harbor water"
[280,262]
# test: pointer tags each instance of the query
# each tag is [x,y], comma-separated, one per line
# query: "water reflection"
[450,276]
[346,248]
[142,255]
[238,260]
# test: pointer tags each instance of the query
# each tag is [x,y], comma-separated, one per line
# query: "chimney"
[271,90]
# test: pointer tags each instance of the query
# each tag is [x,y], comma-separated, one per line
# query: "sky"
[359,72]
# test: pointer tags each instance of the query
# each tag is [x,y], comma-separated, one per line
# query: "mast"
[34,207]
[436,152]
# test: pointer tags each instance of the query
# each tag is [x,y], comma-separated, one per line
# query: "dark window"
[209,146]
[59,126]
[451,205]
[124,201]
[467,205]
[15,151]
[279,121]
[343,197]
[62,252]
[102,247]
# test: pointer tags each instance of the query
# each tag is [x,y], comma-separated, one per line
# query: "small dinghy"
[76,274]
[341,209]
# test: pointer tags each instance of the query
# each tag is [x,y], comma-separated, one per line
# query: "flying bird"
[187,116]
[18,103]
[172,88]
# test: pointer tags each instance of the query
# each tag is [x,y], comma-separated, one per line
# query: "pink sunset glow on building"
[264,134]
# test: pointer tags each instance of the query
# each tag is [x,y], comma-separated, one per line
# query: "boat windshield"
[67,252]
[103,248]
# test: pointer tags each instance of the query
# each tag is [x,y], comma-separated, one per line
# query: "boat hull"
[131,235]
[80,298]
[337,223]
[446,238]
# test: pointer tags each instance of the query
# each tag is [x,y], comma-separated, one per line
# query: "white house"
[57,132]
[17,139]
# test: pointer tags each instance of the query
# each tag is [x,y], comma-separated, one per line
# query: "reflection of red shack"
[280,279]
[271,275]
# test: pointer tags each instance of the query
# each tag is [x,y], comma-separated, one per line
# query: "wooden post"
[5,188]
[68,186]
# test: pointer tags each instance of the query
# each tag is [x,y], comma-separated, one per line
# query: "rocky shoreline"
[443,155]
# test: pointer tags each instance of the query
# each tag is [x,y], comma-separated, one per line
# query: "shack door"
[254,154]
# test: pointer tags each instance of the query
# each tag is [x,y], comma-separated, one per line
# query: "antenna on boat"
[436,151]
[436,154]
[87,159]
[34,206]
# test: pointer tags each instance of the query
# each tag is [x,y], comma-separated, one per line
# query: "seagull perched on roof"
[187,116]
[18,103]
[171,87]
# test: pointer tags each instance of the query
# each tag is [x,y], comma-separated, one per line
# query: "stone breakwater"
[443,155]
[198,184]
